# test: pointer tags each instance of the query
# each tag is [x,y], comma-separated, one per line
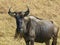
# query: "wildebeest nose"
[21,30]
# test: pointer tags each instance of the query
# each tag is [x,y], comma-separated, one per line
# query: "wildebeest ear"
[26,12]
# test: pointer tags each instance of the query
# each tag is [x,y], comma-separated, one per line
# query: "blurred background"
[45,9]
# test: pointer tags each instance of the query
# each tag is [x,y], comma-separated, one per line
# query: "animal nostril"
[21,29]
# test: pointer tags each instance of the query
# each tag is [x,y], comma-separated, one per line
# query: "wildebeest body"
[41,29]
[33,29]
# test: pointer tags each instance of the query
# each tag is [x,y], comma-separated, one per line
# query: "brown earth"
[46,9]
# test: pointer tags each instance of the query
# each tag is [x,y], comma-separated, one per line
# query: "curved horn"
[26,12]
[9,12]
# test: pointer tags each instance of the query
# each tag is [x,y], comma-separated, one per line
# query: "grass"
[48,10]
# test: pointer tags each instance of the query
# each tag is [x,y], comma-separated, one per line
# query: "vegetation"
[46,9]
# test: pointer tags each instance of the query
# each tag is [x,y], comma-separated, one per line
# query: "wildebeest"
[33,29]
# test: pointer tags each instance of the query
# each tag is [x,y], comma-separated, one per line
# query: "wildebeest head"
[21,13]
[19,16]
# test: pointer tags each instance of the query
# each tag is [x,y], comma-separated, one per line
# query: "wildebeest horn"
[11,13]
[26,12]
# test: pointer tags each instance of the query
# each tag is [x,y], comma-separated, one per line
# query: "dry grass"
[46,9]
